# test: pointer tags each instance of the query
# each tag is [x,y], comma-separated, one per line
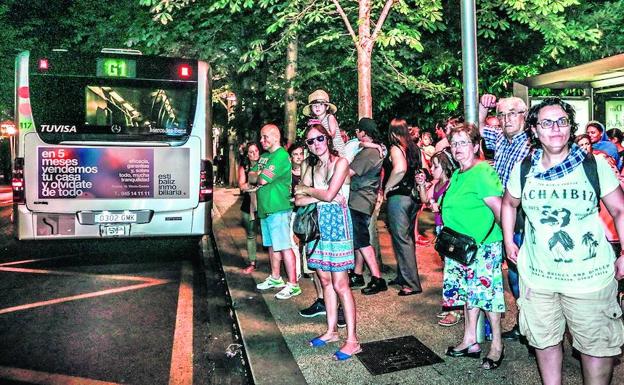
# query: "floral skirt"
[480,285]
[334,251]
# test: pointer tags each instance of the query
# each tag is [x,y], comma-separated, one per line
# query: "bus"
[113,144]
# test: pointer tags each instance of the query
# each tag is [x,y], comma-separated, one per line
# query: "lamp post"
[229,101]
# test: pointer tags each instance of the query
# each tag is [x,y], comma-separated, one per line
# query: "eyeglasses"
[320,139]
[509,115]
[460,143]
[561,122]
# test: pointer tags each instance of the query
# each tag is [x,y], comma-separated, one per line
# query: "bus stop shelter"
[601,80]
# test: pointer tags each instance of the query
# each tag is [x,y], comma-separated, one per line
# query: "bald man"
[272,175]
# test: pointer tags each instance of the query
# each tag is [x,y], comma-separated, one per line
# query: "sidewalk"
[275,335]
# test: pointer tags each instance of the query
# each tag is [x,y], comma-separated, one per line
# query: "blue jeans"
[512,269]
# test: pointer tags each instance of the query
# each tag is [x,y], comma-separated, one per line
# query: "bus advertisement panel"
[101,173]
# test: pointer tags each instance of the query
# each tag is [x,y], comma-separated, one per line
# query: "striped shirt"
[337,141]
[506,153]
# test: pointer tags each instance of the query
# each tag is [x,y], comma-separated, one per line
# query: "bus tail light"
[44,65]
[205,181]
[17,182]
[185,71]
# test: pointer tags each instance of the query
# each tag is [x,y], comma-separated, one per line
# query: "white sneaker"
[270,283]
[290,290]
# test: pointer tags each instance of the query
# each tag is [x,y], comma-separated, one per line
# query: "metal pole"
[471,81]
[469,60]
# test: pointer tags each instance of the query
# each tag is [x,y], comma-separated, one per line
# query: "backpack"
[591,172]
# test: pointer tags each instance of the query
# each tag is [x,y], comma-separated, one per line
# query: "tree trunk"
[365,98]
[290,106]
[232,163]
[364,50]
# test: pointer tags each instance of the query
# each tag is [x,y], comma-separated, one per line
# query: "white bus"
[115,144]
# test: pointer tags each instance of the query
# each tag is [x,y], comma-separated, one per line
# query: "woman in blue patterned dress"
[324,178]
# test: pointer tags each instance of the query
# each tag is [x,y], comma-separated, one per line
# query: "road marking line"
[76,273]
[181,372]
[36,377]
[77,297]
[148,282]
[25,261]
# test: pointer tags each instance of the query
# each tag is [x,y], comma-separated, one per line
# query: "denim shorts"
[276,230]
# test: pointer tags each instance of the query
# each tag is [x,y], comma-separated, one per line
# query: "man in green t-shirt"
[272,174]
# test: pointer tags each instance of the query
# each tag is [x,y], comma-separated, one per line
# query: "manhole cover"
[396,354]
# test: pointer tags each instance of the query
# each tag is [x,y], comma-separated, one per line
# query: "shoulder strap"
[490,231]
[442,201]
[525,166]
[591,171]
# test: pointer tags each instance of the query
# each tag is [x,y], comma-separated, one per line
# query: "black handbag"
[306,226]
[455,245]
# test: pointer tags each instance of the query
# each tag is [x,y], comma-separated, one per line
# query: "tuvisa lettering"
[57,128]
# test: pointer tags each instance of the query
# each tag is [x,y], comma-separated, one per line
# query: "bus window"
[112,111]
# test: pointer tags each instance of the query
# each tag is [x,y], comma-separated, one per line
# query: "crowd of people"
[534,202]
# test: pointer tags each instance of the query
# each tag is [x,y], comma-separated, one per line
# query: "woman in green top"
[471,206]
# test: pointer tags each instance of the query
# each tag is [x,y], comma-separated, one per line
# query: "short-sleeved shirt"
[463,207]
[365,183]
[276,170]
[506,152]
[565,249]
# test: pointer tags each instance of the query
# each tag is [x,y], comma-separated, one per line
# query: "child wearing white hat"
[320,108]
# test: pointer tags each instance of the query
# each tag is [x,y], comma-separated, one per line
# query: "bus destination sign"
[116,68]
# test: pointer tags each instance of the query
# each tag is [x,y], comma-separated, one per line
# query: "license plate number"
[112,231]
[116,218]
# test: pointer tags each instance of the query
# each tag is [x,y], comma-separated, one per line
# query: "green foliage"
[416,70]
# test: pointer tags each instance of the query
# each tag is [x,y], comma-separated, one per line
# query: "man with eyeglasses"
[510,143]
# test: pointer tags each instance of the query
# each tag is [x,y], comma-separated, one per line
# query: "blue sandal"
[342,356]
[319,343]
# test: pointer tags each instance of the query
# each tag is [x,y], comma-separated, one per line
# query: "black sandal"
[491,363]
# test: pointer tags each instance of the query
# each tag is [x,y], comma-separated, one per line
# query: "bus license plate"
[116,218]
[112,231]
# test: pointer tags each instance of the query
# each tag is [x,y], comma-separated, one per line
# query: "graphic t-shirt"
[463,207]
[276,170]
[565,249]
